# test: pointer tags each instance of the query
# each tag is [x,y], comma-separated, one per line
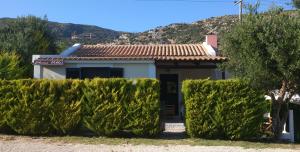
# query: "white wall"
[53,72]
[132,69]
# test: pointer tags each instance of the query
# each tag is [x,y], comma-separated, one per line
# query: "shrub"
[117,105]
[66,110]
[10,66]
[104,106]
[6,97]
[38,107]
[142,111]
[30,111]
[228,109]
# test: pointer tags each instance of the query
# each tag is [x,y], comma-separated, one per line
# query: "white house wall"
[53,72]
[132,69]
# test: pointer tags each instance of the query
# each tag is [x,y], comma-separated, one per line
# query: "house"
[170,63]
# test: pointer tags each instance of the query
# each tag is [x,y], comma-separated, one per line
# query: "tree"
[296,3]
[27,36]
[265,49]
[10,67]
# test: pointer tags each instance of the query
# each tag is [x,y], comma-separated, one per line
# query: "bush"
[228,109]
[6,97]
[142,112]
[29,113]
[104,100]
[104,106]
[10,66]
[39,107]
[66,110]
[116,105]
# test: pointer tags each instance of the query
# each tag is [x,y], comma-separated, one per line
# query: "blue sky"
[124,15]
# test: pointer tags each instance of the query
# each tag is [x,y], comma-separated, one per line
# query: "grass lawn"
[154,141]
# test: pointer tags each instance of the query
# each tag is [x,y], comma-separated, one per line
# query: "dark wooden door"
[169,93]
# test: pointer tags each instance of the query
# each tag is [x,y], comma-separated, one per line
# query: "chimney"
[212,39]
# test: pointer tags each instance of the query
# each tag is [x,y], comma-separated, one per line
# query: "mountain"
[180,32]
[83,33]
[69,33]
[77,33]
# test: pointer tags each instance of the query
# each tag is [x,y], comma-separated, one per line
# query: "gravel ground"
[41,145]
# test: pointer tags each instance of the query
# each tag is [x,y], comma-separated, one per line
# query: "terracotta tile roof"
[49,61]
[164,52]
[144,52]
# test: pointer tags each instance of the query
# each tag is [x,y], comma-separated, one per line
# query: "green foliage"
[265,49]
[10,66]
[66,110]
[104,106]
[296,3]
[29,113]
[142,110]
[228,109]
[104,99]
[38,107]
[27,36]
[116,105]
[6,97]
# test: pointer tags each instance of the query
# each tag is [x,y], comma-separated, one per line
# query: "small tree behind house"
[27,36]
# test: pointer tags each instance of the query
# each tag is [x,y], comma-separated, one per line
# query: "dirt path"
[42,145]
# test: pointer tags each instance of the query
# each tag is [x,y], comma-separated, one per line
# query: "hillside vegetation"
[180,32]
[77,33]
[69,33]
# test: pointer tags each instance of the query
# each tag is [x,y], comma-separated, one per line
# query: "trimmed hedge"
[38,107]
[6,97]
[228,109]
[116,105]
[142,116]
[104,106]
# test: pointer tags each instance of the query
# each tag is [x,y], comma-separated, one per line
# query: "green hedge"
[143,109]
[228,109]
[104,106]
[6,97]
[114,105]
[37,107]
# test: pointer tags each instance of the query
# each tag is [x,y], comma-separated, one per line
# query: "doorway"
[169,94]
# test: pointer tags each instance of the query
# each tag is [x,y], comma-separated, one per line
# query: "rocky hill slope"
[73,33]
[173,33]
[179,33]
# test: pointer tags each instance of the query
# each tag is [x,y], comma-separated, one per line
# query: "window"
[116,72]
[93,72]
[73,73]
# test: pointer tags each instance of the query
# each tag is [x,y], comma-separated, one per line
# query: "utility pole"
[240,2]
